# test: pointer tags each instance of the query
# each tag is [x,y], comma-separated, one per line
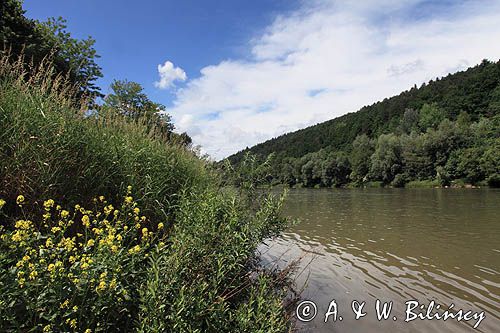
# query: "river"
[396,245]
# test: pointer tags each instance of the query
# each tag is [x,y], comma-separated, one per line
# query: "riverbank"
[377,184]
[105,226]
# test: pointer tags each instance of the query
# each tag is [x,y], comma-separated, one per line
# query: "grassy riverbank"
[106,227]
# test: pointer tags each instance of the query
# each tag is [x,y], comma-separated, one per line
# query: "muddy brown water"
[398,245]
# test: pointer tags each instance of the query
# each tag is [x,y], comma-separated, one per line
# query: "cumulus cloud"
[168,74]
[326,59]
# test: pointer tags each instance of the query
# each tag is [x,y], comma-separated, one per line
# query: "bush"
[494,180]
[423,184]
[399,180]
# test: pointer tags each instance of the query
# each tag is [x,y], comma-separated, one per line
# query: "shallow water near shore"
[397,245]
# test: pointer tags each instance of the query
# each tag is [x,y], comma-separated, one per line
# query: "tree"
[129,100]
[430,116]
[409,121]
[75,56]
[494,105]
[35,41]
[336,170]
[386,160]
[416,161]
[362,150]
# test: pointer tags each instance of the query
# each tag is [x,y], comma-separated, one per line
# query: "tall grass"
[198,271]
[49,149]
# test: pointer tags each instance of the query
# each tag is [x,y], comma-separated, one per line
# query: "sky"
[234,73]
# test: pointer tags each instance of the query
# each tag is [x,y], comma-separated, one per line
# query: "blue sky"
[133,37]
[235,73]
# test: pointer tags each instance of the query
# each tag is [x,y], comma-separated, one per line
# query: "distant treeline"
[445,132]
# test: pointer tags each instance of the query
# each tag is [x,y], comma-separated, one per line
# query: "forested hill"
[472,91]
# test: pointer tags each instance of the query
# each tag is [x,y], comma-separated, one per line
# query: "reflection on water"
[395,245]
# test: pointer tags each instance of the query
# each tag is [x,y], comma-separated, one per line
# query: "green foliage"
[409,121]
[386,160]
[197,271]
[209,268]
[129,100]
[35,41]
[430,116]
[49,149]
[423,184]
[362,150]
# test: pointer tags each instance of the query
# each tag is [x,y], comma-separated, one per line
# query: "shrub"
[494,180]
[399,180]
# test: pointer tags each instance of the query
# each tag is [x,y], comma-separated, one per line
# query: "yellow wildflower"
[33,275]
[75,308]
[48,204]
[47,329]
[67,243]
[20,199]
[64,213]
[22,224]
[90,243]
[86,221]
[135,249]
[112,284]
[101,286]
[136,211]
[88,330]
[64,304]
[160,226]
[48,243]
[51,267]
[17,236]
[71,322]
[129,199]
[2,203]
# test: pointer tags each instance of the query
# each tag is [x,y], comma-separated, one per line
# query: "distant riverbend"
[431,246]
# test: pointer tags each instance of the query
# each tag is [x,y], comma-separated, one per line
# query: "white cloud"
[168,74]
[326,59]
